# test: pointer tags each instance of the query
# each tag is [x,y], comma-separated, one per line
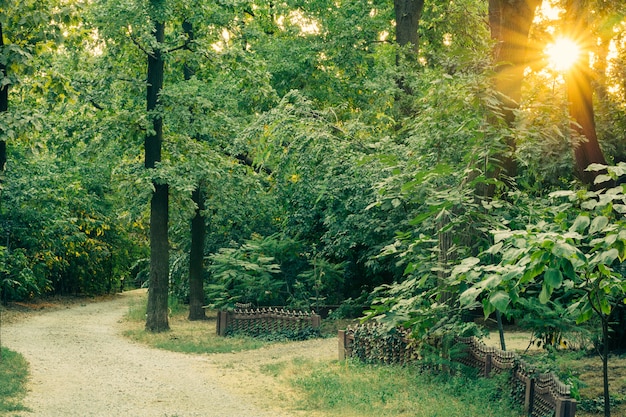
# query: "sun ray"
[562,54]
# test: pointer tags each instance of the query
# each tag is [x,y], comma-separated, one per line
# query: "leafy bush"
[283,335]
[271,271]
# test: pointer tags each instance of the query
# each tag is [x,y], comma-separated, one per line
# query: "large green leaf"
[598,224]
[570,252]
[500,300]
[553,278]
[468,297]
[580,224]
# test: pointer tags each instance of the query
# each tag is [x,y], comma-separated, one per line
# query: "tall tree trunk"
[510,22]
[157,320]
[4,105]
[196,258]
[408,14]
[580,95]
[198,229]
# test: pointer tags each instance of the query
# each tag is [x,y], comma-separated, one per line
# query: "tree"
[198,228]
[4,101]
[580,93]
[408,14]
[510,23]
[156,319]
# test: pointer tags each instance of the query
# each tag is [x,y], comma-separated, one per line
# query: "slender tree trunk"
[4,106]
[605,366]
[580,96]
[157,312]
[510,22]
[198,229]
[196,258]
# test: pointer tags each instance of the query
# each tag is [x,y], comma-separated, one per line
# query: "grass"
[13,375]
[352,389]
[185,336]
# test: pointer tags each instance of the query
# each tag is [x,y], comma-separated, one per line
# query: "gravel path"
[81,366]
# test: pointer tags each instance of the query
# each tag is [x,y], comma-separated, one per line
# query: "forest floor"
[81,365]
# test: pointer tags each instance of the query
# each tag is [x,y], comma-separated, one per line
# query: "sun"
[562,54]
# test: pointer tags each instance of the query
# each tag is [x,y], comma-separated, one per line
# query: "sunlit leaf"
[598,224]
[500,300]
[580,224]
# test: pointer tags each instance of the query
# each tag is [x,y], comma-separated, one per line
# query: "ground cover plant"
[13,375]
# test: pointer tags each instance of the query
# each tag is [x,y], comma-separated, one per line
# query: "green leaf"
[465,265]
[606,257]
[500,300]
[553,278]
[605,306]
[488,308]
[468,297]
[596,167]
[545,294]
[598,224]
[580,224]
[602,178]
[565,250]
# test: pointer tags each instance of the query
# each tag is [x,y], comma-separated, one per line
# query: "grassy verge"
[351,389]
[13,374]
[186,336]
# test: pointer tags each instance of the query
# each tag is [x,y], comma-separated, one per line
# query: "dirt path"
[81,366]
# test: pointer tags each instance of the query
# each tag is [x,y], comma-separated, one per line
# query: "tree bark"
[198,228]
[408,14]
[196,258]
[157,311]
[580,96]
[4,105]
[510,22]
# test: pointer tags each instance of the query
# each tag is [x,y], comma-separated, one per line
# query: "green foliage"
[244,274]
[282,335]
[571,256]
[271,271]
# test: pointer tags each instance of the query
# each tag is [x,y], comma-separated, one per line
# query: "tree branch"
[144,50]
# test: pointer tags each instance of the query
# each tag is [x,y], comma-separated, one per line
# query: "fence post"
[488,364]
[529,400]
[565,407]
[341,334]
[316,320]
[222,322]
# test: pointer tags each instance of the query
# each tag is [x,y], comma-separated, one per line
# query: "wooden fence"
[541,394]
[265,320]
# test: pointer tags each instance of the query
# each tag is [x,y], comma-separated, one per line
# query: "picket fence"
[265,320]
[541,394]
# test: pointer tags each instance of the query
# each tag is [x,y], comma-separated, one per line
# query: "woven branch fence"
[541,394]
[265,320]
